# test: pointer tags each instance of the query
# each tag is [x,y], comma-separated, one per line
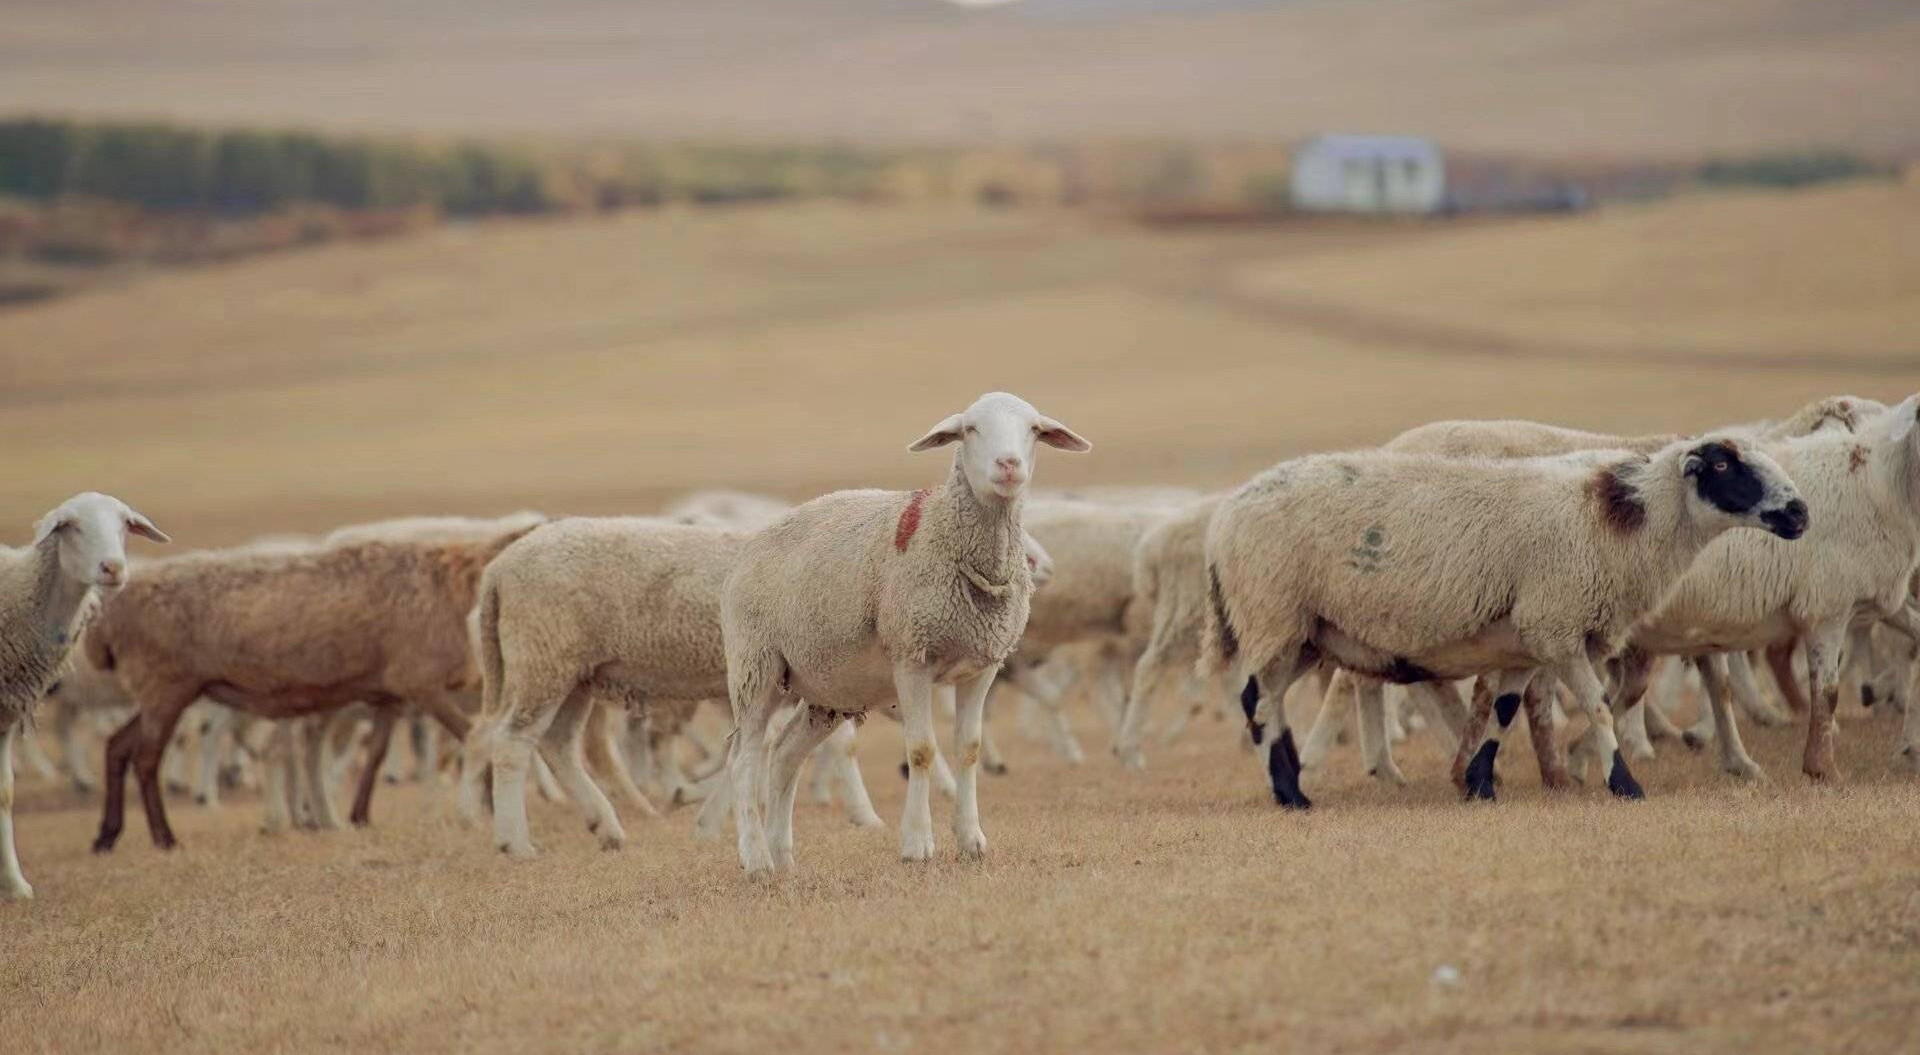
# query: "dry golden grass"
[604,367]
[1175,910]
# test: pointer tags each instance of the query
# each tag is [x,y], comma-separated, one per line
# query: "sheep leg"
[1052,705]
[1825,647]
[853,790]
[279,753]
[1906,622]
[318,747]
[425,738]
[808,730]
[601,755]
[379,747]
[990,758]
[913,684]
[1579,676]
[1477,778]
[175,764]
[1856,665]
[563,743]
[392,766]
[820,776]
[1632,699]
[475,756]
[711,823]
[13,885]
[1148,671]
[156,728]
[1707,725]
[213,733]
[944,696]
[529,705]
[32,755]
[968,720]
[1375,745]
[1263,700]
[753,687]
[119,754]
[1448,712]
[1110,689]
[1734,759]
[1337,696]
[1780,662]
[1395,714]
[1479,714]
[544,782]
[66,727]
[1746,691]
[1537,705]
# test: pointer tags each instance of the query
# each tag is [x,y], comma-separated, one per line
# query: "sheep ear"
[143,527]
[940,435]
[1054,434]
[51,523]
[1694,465]
[1901,419]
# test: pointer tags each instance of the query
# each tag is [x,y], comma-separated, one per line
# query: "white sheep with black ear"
[48,591]
[1747,591]
[1415,567]
[867,598]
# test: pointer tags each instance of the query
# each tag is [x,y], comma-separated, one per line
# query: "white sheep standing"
[859,598]
[627,608]
[1415,567]
[48,592]
[1748,591]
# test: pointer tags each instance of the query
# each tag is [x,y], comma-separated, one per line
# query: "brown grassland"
[605,366]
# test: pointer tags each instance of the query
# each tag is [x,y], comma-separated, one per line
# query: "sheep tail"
[1219,644]
[486,646]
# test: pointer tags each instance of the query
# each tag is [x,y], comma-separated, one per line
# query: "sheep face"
[1746,486]
[996,436]
[91,529]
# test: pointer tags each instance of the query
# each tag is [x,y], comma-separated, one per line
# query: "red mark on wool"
[909,520]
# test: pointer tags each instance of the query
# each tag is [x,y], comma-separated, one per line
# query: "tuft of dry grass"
[1175,910]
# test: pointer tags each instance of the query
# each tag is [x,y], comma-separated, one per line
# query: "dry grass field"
[599,367]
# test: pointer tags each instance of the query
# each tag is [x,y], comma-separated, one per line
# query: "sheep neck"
[1672,538]
[981,536]
[59,602]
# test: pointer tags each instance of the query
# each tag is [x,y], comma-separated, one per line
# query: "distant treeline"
[1792,169]
[239,172]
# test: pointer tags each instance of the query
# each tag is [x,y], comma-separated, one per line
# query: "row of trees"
[170,167]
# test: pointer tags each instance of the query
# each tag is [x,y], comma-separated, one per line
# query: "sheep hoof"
[612,839]
[517,851]
[914,850]
[998,769]
[869,820]
[1867,695]
[22,891]
[972,846]
[1479,777]
[1695,742]
[1745,769]
[1621,782]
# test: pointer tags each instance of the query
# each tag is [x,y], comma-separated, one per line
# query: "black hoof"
[1621,782]
[1867,696]
[1693,742]
[1479,780]
[998,770]
[903,771]
[104,844]
[1283,773]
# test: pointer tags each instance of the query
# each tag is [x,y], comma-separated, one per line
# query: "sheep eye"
[970,431]
[1719,467]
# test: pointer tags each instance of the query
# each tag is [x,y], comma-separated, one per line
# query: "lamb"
[1415,567]
[1170,585]
[1748,591]
[217,623]
[859,596]
[48,593]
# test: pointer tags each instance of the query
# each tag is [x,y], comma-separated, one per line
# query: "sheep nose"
[111,570]
[1009,465]
[1789,522]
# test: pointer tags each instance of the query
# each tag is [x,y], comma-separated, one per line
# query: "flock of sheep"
[1495,569]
